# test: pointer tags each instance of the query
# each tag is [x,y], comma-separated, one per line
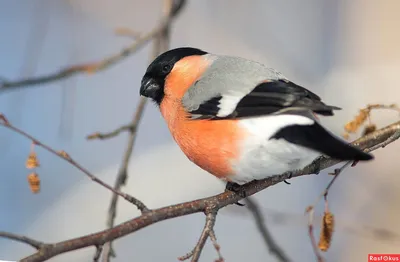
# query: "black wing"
[268,98]
[318,138]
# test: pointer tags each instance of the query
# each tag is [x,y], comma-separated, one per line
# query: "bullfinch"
[238,119]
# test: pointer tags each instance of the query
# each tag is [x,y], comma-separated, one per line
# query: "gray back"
[227,76]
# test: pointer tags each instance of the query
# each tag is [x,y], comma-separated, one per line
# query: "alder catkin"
[32,161]
[327,229]
[34,182]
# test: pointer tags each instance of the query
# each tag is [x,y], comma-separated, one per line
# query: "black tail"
[318,138]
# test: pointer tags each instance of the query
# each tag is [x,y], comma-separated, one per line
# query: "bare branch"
[273,247]
[208,231]
[213,203]
[161,43]
[216,246]
[97,255]
[123,175]
[69,159]
[391,139]
[123,31]
[312,237]
[114,133]
[95,66]
[23,239]
[336,174]
[310,209]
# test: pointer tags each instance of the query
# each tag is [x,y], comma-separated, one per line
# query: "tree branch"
[95,66]
[114,133]
[213,203]
[63,155]
[324,194]
[122,176]
[273,247]
[97,255]
[208,231]
[23,239]
[161,42]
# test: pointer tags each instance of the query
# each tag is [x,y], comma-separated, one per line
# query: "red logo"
[383,257]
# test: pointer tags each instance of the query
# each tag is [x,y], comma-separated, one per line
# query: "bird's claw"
[290,174]
[237,189]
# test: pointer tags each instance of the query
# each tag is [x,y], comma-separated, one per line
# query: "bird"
[238,119]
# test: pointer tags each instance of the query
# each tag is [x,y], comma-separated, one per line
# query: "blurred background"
[346,51]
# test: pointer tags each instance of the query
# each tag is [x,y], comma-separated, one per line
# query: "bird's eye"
[166,68]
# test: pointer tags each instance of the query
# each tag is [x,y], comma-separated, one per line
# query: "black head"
[154,79]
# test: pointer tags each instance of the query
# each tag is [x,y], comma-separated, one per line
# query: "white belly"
[262,157]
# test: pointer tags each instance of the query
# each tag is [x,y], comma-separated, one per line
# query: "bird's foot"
[237,189]
[290,174]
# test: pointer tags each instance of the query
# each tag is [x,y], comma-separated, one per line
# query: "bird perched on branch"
[238,119]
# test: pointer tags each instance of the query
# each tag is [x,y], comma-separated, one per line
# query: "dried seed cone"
[327,229]
[34,182]
[357,122]
[32,161]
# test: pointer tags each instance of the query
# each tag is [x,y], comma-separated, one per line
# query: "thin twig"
[23,239]
[381,106]
[208,231]
[216,245]
[273,247]
[203,238]
[186,256]
[213,203]
[312,237]
[97,255]
[335,174]
[310,210]
[63,155]
[123,31]
[101,136]
[122,177]
[161,41]
[96,66]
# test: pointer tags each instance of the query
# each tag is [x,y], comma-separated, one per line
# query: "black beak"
[149,88]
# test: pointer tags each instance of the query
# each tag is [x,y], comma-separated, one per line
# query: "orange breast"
[212,145]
